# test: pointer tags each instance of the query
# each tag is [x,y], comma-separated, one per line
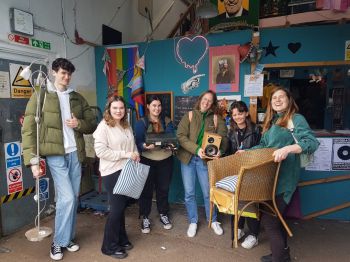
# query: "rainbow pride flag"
[124,78]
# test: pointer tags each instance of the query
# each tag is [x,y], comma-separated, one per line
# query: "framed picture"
[166,98]
[242,12]
[224,68]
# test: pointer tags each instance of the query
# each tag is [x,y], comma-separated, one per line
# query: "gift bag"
[132,179]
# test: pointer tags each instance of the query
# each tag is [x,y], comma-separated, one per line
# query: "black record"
[344,152]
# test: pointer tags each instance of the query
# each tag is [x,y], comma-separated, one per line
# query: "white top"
[68,132]
[113,145]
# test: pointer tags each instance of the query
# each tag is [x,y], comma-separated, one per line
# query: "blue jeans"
[196,167]
[66,174]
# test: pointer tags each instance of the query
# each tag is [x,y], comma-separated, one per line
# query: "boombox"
[211,144]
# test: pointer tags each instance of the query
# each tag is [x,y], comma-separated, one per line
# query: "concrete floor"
[315,240]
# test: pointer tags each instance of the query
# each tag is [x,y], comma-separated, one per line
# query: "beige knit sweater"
[113,145]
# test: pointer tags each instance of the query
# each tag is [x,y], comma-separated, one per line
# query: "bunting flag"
[124,78]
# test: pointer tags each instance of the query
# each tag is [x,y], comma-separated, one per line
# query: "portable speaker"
[211,144]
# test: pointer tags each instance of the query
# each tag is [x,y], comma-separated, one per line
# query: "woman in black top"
[244,134]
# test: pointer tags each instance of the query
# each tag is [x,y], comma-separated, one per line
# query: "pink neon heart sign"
[194,43]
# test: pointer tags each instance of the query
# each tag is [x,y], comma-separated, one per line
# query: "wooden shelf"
[302,18]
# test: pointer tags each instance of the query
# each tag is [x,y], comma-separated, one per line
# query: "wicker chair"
[258,175]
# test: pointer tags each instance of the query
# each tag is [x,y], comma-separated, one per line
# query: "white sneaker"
[217,228]
[240,233]
[72,247]
[192,230]
[249,242]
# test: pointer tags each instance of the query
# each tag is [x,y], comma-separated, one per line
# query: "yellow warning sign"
[20,87]
[20,81]
[347,50]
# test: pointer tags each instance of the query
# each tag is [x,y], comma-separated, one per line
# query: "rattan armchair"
[258,175]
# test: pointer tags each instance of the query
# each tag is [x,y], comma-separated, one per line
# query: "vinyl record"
[343,152]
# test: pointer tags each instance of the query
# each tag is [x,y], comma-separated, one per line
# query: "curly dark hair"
[214,107]
[64,64]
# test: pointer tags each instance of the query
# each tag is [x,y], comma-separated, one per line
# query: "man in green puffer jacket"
[65,117]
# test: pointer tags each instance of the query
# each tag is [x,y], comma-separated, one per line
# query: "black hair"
[64,64]
[241,107]
[152,98]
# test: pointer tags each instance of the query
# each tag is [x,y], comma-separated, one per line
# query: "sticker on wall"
[191,83]
[4,85]
[294,47]
[270,49]
[44,189]
[341,154]
[13,167]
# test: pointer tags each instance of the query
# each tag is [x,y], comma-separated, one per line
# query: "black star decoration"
[270,49]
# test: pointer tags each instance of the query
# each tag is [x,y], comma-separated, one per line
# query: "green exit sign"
[41,44]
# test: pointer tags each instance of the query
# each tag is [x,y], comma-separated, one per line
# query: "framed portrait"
[242,11]
[224,68]
[166,98]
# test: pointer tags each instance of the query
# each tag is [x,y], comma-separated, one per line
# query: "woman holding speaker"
[243,134]
[281,114]
[159,159]
[192,155]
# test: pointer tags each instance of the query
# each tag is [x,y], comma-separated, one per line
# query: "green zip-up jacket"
[278,137]
[51,133]
[187,133]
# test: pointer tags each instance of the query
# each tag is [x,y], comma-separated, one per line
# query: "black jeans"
[115,233]
[252,223]
[159,177]
[276,232]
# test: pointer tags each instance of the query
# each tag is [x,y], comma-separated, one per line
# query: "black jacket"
[251,138]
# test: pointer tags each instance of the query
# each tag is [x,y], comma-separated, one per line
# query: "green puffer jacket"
[51,133]
[187,133]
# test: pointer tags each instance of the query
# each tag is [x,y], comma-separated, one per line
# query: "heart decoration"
[196,47]
[294,47]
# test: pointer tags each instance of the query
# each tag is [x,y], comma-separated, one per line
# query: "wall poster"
[224,68]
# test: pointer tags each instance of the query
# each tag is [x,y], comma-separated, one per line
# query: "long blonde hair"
[290,111]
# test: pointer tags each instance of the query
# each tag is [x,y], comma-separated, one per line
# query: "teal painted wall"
[164,73]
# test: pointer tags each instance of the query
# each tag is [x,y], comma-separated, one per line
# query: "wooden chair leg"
[235,230]
[281,218]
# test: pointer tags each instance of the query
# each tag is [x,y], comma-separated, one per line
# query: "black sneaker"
[56,252]
[268,258]
[72,247]
[145,225]
[165,221]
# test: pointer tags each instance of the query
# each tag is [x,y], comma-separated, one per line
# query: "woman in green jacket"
[281,114]
[193,164]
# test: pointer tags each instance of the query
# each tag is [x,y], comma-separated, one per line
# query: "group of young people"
[66,116]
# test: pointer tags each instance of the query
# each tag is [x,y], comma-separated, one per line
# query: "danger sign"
[20,87]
